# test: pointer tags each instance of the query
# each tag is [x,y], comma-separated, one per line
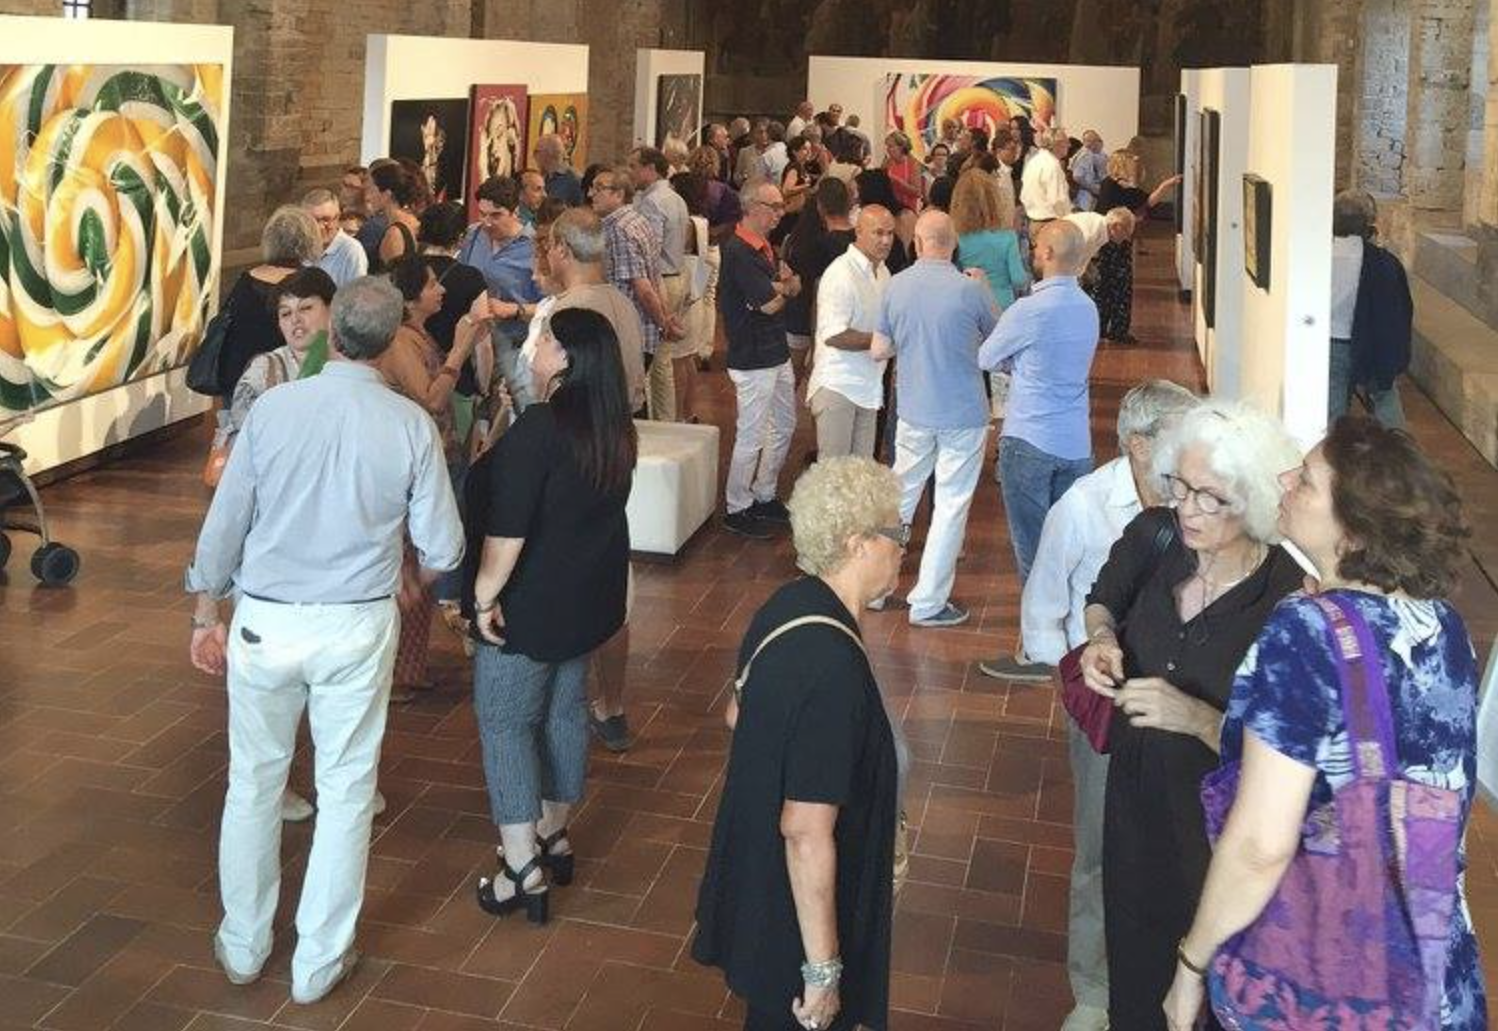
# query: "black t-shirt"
[566,595]
[462,285]
[812,728]
[252,329]
[1112,194]
[808,252]
[745,284]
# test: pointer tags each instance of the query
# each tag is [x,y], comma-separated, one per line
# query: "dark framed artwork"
[1206,199]
[678,106]
[1258,223]
[434,134]
[1180,125]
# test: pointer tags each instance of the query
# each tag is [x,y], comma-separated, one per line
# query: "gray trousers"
[1086,952]
[533,725]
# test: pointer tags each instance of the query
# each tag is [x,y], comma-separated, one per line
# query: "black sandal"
[558,866]
[536,902]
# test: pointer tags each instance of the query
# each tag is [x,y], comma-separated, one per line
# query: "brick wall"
[1438,113]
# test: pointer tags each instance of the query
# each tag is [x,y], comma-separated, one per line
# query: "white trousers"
[956,457]
[336,661]
[767,419]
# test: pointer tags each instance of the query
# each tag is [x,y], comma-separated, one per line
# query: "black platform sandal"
[559,867]
[536,903]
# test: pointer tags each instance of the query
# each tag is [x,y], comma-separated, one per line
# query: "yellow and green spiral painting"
[108,204]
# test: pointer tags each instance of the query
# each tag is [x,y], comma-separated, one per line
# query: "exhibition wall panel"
[112,301]
[1088,96]
[650,65]
[432,67]
[1186,192]
[1226,91]
[1285,327]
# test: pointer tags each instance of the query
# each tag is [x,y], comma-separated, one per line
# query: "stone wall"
[1487,206]
[1382,105]
[1438,113]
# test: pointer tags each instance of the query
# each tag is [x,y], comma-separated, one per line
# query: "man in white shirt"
[1079,531]
[342,257]
[805,111]
[1114,227]
[846,387]
[1044,191]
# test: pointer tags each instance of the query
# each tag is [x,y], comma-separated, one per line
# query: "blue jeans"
[1031,481]
[1384,403]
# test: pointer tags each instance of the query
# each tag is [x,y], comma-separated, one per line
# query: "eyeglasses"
[772,207]
[899,534]
[1207,503]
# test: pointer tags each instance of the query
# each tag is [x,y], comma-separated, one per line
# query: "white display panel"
[1089,96]
[1186,192]
[650,65]
[1228,92]
[435,67]
[1286,328]
[73,429]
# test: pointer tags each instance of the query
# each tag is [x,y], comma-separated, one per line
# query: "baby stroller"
[53,564]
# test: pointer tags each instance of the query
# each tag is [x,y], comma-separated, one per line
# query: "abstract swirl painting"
[108,202]
[919,104]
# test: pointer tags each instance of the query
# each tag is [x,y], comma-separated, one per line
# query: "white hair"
[1121,217]
[1151,407]
[1246,448]
[1056,135]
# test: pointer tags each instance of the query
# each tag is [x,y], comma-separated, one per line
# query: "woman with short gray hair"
[1181,597]
[288,242]
[796,902]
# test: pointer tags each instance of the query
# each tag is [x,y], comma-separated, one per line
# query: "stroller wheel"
[54,564]
[4,550]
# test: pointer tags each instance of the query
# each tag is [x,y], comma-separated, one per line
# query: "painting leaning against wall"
[108,208]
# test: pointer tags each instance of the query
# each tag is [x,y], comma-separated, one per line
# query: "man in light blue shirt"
[932,319]
[343,259]
[326,479]
[503,248]
[1088,170]
[1046,342]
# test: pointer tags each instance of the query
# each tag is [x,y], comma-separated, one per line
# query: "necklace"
[1213,589]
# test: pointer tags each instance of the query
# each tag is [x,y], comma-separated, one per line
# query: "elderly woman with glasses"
[796,900]
[1181,597]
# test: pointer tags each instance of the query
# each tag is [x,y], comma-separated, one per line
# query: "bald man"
[932,319]
[846,388]
[1046,342]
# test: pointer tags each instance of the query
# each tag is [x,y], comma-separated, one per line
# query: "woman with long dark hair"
[549,561]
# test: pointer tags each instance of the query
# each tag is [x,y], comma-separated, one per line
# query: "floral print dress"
[1288,693]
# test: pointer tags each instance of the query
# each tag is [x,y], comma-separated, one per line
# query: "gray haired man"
[343,259]
[1044,190]
[306,528]
[1079,531]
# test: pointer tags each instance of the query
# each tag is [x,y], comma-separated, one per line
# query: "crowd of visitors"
[456,435]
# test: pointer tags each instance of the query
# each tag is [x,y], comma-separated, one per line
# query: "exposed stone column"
[1384,102]
[1330,32]
[1437,114]
[1487,209]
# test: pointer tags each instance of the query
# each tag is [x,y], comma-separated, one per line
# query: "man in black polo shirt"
[752,292]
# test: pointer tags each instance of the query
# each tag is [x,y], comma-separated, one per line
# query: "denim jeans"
[1384,403]
[1031,481]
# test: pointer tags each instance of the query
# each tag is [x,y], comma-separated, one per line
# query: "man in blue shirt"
[1046,342]
[561,182]
[932,319]
[1089,167]
[502,248]
[342,257]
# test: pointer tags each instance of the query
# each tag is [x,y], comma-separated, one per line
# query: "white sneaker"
[346,964]
[295,808]
[1086,1018]
[236,977]
[379,803]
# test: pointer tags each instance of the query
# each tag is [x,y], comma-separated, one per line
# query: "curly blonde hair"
[838,499]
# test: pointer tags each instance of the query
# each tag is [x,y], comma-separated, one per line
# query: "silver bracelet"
[198,624]
[825,974]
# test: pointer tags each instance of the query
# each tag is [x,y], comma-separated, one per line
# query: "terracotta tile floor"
[112,756]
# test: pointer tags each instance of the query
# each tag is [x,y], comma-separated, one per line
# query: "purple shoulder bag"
[1357,932]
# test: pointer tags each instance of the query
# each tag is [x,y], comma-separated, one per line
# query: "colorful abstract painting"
[496,137]
[917,105]
[108,206]
[565,114]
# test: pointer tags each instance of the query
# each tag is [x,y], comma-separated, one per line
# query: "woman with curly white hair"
[1182,596]
[796,901]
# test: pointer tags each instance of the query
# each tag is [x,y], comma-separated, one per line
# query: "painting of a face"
[566,115]
[434,134]
[497,136]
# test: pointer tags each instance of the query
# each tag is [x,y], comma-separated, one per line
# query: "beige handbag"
[902,832]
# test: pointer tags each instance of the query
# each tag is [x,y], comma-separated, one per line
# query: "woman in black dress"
[796,900]
[1114,289]
[1182,596]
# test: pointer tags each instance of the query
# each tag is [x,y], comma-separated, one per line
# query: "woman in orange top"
[903,169]
[414,365]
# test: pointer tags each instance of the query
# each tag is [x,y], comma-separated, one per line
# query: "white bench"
[676,485]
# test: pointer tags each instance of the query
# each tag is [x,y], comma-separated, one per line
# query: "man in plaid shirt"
[632,257]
